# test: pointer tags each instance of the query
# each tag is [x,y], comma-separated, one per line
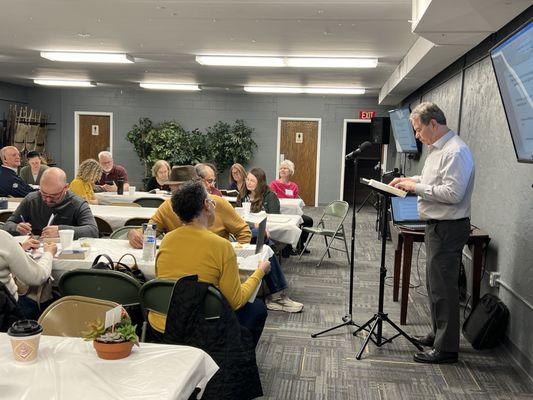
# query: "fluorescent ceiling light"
[68,56]
[302,90]
[319,90]
[272,89]
[305,62]
[316,62]
[239,61]
[55,82]
[169,86]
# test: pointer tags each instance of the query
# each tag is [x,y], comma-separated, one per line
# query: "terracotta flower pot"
[112,351]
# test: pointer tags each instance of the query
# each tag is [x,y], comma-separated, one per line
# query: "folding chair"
[123,204]
[4,216]
[122,233]
[337,209]
[69,315]
[104,229]
[155,296]
[153,202]
[136,221]
[101,284]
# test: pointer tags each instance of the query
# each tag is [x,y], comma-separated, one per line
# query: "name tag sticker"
[289,192]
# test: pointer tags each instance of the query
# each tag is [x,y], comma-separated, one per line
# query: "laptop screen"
[404,209]
[261,234]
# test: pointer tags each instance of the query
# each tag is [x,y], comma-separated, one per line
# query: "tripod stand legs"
[377,322]
[348,321]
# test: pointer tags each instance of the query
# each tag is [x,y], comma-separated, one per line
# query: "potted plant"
[114,342]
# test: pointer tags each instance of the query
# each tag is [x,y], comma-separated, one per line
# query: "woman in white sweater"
[14,261]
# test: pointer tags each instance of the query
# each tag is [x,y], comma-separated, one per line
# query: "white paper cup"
[24,336]
[66,237]
[132,190]
[246,207]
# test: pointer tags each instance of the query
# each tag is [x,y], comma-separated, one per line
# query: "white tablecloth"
[108,197]
[283,228]
[116,249]
[116,217]
[287,206]
[68,368]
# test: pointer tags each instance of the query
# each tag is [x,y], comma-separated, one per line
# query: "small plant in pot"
[114,342]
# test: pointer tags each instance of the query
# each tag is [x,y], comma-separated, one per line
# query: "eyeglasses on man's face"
[211,181]
[52,196]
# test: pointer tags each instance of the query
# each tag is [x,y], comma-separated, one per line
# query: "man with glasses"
[10,183]
[52,209]
[209,178]
[111,174]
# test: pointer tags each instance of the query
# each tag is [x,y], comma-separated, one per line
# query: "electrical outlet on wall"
[493,279]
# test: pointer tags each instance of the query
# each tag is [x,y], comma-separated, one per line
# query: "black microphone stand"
[376,322]
[347,319]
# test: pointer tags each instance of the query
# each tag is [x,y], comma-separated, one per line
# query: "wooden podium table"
[403,240]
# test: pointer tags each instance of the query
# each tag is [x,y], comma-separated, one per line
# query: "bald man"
[52,209]
[10,183]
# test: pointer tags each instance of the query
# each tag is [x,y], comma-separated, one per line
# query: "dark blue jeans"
[253,316]
[30,308]
[275,280]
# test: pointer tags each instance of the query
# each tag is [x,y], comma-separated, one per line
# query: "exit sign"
[365,114]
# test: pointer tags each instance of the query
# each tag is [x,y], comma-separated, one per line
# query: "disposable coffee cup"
[132,190]
[246,207]
[25,335]
[66,237]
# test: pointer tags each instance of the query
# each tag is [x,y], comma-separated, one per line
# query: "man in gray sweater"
[52,209]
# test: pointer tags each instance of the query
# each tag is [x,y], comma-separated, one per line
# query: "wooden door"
[94,135]
[299,143]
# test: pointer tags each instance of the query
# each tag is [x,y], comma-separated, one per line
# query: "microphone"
[359,150]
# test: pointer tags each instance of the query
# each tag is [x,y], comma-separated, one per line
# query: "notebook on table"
[261,235]
[404,212]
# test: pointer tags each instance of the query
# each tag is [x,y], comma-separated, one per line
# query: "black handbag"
[119,266]
[485,326]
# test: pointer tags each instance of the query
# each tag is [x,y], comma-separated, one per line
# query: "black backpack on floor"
[485,326]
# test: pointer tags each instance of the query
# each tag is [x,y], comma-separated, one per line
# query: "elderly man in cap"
[226,222]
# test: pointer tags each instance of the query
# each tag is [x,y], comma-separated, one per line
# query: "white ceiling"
[164,37]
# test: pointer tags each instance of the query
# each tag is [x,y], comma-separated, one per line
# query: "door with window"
[299,143]
[94,135]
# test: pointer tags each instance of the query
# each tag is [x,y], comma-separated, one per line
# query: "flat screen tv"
[403,132]
[512,60]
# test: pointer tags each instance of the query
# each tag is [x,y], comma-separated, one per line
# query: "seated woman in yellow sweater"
[194,250]
[89,172]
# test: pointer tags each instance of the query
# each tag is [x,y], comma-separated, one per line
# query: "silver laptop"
[261,235]
[405,213]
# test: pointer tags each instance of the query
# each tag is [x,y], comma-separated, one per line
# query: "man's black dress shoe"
[427,340]
[434,356]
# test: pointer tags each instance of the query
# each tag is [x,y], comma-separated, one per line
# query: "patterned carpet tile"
[293,365]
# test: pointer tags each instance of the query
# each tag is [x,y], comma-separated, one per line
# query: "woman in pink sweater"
[285,189]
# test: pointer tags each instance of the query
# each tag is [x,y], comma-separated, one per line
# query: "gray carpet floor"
[295,366]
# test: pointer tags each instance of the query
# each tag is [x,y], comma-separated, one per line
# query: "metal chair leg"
[306,244]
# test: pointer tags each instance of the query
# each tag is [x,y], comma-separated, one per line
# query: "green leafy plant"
[229,144]
[124,331]
[139,136]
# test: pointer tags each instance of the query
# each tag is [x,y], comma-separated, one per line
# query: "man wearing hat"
[227,221]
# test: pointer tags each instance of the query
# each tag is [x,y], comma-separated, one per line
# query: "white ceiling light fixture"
[320,62]
[272,89]
[58,82]
[67,56]
[241,61]
[303,90]
[170,86]
[296,62]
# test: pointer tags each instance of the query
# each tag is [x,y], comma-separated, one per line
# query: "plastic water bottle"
[149,242]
